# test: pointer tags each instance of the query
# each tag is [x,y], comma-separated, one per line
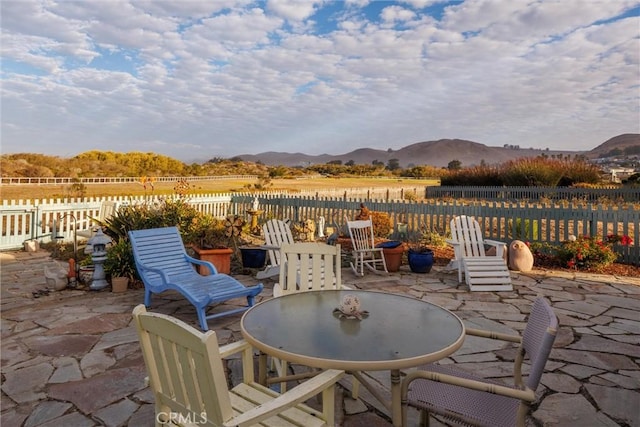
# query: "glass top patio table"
[399,331]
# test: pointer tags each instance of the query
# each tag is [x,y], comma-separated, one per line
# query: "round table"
[398,332]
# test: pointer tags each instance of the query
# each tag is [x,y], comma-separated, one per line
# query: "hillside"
[434,153]
[629,142]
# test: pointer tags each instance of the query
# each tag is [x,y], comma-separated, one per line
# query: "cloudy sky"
[200,79]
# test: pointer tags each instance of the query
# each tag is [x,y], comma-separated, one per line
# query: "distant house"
[620,174]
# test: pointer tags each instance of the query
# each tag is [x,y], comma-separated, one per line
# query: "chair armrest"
[233,348]
[498,245]
[452,242]
[208,264]
[160,272]
[493,335]
[527,394]
[289,399]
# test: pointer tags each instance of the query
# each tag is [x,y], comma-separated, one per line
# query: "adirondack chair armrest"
[208,264]
[493,335]
[457,247]
[498,245]
[526,394]
[291,398]
[452,242]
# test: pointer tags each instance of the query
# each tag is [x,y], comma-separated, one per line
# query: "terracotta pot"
[393,258]
[220,258]
[119,284]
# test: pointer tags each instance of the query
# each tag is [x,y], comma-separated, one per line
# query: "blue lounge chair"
[163,264]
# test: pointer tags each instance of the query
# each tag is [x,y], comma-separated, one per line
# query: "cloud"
[205,79]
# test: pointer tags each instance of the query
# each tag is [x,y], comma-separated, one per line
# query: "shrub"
[381,222]
[585,252]
[120,262]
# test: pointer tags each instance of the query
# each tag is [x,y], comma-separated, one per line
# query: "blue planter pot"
[253,257]
[420,261]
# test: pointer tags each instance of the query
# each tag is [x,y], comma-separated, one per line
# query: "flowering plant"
[623,240]
[586,252]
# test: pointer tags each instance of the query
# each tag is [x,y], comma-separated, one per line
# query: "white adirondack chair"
[365,253]
[187,377]
[482,272]
[108,208]
[276,233]
[307,266]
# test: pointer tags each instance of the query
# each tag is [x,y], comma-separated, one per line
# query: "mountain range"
[439,153]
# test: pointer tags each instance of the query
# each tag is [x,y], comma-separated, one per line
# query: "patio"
[72,358]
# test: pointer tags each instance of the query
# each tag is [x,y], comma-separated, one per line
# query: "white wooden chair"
[108,208]
[482,272]
[365,253]
[187,376]
[307,266]
[276,233]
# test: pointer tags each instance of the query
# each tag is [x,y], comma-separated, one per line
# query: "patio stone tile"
[623,380]
[117,414]
[609,362]
[67,369]
[580,371]
[94,325]
[27,384]
[143,417]
[45,411]
[561,383]
[96,392]
[62,345]
[595,343]
[73,419]
[615,402]
[570,410]
[95,362]
[623,313]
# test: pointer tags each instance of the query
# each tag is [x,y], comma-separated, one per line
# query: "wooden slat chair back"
[308,267]
[163,264]
[187,377]
[483,272]
[108,208]
[276,233]
[468,398]
[365,253]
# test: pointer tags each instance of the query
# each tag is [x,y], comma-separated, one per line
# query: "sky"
[195,80]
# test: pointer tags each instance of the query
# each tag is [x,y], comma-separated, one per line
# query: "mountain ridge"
[439,153]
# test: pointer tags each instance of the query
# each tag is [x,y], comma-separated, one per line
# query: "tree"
[454,165]
[393,164]
[350,163]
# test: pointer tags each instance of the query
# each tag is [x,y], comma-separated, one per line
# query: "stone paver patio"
[72,358]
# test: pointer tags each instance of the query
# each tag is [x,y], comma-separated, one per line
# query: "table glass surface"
[397,331]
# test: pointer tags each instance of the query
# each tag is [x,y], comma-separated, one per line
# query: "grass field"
[32,191]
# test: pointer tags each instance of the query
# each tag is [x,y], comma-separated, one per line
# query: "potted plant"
[420,259]
[213,240]
[120,265]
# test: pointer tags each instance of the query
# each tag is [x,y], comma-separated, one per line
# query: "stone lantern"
[99,243]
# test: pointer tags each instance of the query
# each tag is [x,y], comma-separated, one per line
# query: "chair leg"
[424,418]
[202,317]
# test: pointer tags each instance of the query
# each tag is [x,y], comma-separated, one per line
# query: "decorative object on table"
[99,244]
[392,250]
[350,308]
[253,257]
[520,256]
[420,259]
